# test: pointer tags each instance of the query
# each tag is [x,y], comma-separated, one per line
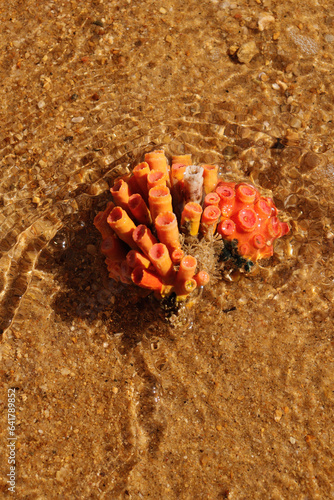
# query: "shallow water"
[112,402]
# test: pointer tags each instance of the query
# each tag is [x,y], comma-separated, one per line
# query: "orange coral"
[141,234]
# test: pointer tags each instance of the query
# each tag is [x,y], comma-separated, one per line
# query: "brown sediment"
[235,401]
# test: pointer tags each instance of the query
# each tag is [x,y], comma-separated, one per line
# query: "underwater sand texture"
[236,399]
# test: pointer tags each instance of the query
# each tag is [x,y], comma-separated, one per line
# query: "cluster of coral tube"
[156,203]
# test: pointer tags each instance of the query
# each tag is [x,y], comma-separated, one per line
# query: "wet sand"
[112,401]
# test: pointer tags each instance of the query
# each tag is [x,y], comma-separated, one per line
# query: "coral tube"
[177,173]
[123,226]
[160,200]
[141,172]
[146,279]
[193,183]
[190,218]
[183,159]
[177,255]
[135,259]
[209,221]
[157,161]
[139,209]
[167,230]
[176,180]
[187,269]
[159,256]
[143,238]
[113,248]
[211,199]
[183,289]
[156,178]
[202,278]
[210,177]
[120,192]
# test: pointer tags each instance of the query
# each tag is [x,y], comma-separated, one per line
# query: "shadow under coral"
[85,290]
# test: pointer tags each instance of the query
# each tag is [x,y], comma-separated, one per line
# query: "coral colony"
[159,211]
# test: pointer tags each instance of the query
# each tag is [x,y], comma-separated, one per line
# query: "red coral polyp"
[256,226]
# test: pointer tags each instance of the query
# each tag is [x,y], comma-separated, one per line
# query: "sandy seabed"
[111,402]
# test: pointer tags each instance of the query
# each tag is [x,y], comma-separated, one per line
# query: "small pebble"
[296,122]
[275,86]
[329,38]
[115,390]
[247,51]
[309,438]
[162,10]
[283,85]
[233,49]
[292,440]
[265,20]
[65,371]
[278,415]
[291,135]
[91,249]
[263,77]
[41,104]
[77,119]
